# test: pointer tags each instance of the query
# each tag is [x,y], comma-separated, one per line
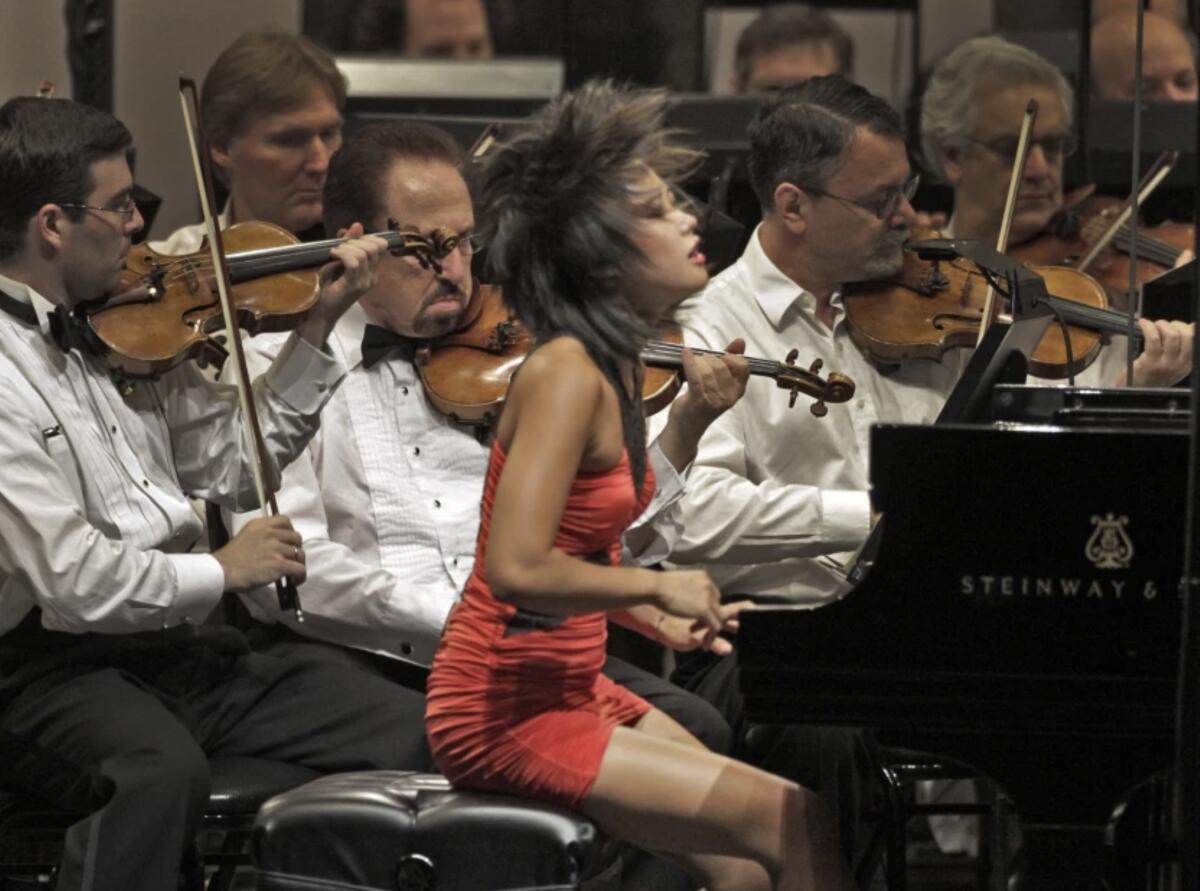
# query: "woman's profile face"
[672,265]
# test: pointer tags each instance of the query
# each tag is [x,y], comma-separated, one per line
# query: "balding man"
[1168,60]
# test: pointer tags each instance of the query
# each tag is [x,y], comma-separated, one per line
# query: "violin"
[930,307]
[166,308]
[1071,234]
[466,374]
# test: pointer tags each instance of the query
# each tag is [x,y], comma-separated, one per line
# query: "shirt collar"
[22,292]
[775,292]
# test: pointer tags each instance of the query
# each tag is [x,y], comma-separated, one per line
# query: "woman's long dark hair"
[559,205]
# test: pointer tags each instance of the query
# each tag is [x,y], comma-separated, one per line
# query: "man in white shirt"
[777,496]
[387,495]
[112,691]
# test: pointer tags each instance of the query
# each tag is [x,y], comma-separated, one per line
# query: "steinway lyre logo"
[1109,546]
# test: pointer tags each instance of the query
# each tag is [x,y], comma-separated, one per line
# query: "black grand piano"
[1020,609]
[1019,605]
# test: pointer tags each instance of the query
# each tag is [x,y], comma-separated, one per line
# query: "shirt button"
[146,483]
[436,503]
[114,428]
[406,649]
[404,391]
[416,450]
[454,562]
[322,386]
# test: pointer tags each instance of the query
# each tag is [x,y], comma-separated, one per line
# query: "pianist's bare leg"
[668,793]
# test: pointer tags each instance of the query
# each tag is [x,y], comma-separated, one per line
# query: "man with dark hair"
[112,690]
[776,495]
[272,110]
[788,43]
[389,501]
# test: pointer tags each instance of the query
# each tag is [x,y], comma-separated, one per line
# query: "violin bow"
[1158,171]
[1010,203]
[289,597]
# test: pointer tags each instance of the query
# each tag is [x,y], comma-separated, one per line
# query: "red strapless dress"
[515,701]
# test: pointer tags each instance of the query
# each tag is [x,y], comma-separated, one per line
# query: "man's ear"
[792,207]
[220,156]
[47,224]
[949,162]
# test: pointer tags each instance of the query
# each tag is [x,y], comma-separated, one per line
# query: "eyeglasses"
[1054,146]
[127,209]
[447,242]
[883,208]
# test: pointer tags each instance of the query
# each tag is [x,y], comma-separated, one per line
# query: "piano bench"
[31,832]
[900,773]
[402,831]
[1141,847]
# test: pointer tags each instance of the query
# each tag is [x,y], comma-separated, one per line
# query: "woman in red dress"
[593,253]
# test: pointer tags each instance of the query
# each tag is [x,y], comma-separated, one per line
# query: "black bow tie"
[70,331]
[380,342]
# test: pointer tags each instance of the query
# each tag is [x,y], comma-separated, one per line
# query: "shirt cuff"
[303,376]
[668,482]
[201,582]
[845,518]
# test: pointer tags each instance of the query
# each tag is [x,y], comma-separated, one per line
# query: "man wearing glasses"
[777,496]
[970,121]
[113,689]
[387,495]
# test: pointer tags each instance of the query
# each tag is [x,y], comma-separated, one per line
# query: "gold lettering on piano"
[1044,587]
[1109,547]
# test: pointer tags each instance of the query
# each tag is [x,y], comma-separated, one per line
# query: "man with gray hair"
[789,43]
[970,121]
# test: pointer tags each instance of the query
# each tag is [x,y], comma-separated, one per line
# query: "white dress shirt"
[387,498]
[187,239]
[775,492]
[95,521]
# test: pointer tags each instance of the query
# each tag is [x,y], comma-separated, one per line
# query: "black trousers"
[838,763]
[121,727]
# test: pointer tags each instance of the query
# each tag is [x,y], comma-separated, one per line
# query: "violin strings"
[1148,248]
[669,352]
[313,251]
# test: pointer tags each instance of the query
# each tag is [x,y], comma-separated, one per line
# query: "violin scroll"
[407,241]
[836,388]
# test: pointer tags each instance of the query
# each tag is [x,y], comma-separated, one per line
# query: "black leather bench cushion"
[412,832]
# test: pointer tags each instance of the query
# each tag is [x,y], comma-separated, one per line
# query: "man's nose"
[904,215]
[136,222]
[319,154]
[456,266]
[1038,164]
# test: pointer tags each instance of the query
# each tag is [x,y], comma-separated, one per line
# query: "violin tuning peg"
[819,409]
[790,358]
[817,365]
[792,398]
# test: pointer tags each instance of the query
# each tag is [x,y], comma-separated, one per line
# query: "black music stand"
[1003,354]
[1001,358]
